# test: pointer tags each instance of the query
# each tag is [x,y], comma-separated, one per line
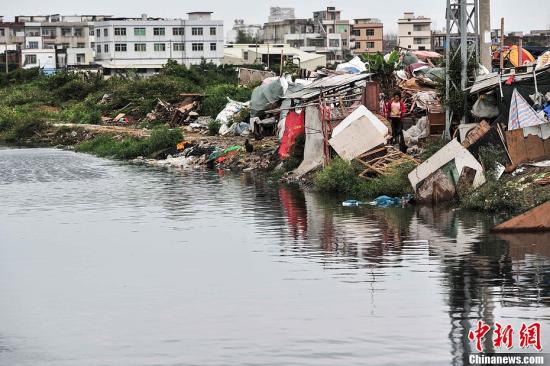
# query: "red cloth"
[387,108]
[294,127]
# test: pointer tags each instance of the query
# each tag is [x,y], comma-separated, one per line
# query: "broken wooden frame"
[380,160]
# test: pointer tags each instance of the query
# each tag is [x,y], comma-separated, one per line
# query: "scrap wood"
[537,219]
[381,160]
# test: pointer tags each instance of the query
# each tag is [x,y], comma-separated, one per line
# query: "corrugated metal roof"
[326,84]
[488,82]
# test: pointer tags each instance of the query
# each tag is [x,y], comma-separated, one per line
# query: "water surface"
[103,263]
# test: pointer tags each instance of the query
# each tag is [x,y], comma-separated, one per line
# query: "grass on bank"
[343,177]
[161,139]
[84,98]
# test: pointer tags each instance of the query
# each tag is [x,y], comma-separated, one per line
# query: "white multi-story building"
[146,44]
[414,32]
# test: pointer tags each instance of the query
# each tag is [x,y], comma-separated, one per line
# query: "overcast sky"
[519,15]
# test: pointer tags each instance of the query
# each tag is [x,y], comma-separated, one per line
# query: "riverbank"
[42,110]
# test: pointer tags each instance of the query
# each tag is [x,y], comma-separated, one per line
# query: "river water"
[104,263]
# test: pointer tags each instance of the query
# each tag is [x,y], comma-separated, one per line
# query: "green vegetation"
[161,139]
[343,177]
[27,95]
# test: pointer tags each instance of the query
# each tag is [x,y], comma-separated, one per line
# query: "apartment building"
[69,36]
[414,32]
[146,44]
[325,33]
[367,36]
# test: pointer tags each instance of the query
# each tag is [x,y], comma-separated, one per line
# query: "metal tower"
[462,41]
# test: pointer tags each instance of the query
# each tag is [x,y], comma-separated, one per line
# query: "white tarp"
[354,66]
[313,148]
[453,150]
[358,137]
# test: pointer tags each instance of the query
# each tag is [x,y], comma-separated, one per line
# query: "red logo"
[529,335]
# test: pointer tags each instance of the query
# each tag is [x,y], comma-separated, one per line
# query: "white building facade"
[414,33]
[146,44]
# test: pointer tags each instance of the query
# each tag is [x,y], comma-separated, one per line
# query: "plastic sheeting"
[267,94]
[294,127]
[416,132]
[354,66]
[314,146]
[486,107]
[521,113]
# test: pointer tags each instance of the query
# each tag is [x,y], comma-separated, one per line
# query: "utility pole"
[501,44]
[462,41]
[485,33]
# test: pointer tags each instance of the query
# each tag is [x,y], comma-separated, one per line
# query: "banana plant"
[383,68]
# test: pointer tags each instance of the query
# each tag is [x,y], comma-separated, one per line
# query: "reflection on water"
[103,263]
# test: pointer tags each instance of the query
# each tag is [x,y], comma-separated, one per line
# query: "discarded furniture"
[436,118]
[453,151]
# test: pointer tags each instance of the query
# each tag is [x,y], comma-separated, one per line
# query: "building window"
[356,32]
[80,58]
[98,48]
[370,45]
[370,32]
[105,48]
[66,32]
[212,31]
[30,59]
[158,31]
[140,47]
[160,47]
[64,45]
[105,32]
[196,31]
[178,46]
[213,46]
[2,33]
[139,31]
[419,28]
[98,33]
[78,32]
[33,45]
[120,47]
[245,55]
[80,45]
[178,31]
[120,31]
[334,43]
[197,46]
[91,33]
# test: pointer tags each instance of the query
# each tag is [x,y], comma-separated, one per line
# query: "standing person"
[395,109]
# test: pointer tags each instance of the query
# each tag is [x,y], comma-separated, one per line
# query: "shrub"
[131,147]
[394,183]
[339,176]
[23,129]
[214,127]
[216,97]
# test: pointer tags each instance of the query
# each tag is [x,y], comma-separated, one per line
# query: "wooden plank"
[516,146]
[534,147]
[546,144]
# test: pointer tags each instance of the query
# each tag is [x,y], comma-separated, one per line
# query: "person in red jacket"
[394,110]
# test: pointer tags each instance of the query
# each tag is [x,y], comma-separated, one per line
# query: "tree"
[244,37]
